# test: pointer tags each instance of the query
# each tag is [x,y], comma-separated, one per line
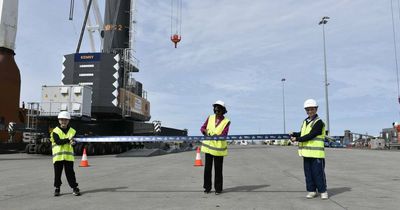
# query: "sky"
[238,51]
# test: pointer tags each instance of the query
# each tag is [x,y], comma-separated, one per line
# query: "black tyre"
[78,149]
[27,148]
[41,149]
[108,148]
[91,149]
[48,149]
[113,148]
[101,150]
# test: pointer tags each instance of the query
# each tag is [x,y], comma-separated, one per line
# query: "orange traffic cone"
[198,161]
[84,161]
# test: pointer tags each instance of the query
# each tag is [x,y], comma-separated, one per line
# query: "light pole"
[283,104]
[323,21]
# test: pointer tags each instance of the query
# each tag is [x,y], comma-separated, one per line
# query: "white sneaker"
[311,195]
[324,195]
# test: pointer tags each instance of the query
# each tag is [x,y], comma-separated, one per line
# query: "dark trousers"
[314,170]
[69,172]
[218,161]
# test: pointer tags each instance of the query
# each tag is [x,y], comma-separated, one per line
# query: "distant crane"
[176,21]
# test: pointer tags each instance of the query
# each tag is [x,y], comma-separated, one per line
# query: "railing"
[127,56]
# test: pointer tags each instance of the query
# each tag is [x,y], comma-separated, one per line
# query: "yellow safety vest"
[65,151]
[315,147]
[216,148]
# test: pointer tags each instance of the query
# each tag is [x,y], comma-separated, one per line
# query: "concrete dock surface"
[255,177]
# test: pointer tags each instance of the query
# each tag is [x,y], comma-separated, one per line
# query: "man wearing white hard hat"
[311,148]
[215,125]
[62,139]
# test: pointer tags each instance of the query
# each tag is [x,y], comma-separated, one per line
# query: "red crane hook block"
[175,39]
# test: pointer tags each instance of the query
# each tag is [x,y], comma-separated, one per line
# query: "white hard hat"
[310,103]
[219,102]
[64,115]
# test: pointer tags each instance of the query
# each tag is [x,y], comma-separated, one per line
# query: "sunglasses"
[310,109]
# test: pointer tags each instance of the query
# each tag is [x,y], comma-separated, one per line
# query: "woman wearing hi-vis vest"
[215,125]
[311,148]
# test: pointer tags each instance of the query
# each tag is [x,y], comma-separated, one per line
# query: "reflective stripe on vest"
[315,147]
[216,148]
[65,151]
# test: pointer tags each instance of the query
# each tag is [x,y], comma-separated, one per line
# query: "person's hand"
[72,142]
[293,138]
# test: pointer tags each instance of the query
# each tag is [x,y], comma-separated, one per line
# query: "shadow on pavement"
[121,190]
[245,188]
[335,191]
[111,189]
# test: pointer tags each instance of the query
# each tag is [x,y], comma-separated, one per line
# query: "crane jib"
[254,137]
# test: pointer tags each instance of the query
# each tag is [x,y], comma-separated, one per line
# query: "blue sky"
[238,51]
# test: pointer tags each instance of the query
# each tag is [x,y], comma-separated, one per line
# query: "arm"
[59,141]
[315,131]
[295,134]
[203,128]
[72,140]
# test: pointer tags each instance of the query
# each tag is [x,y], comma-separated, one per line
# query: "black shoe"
[207,191]
[76,192]
[218,192]
[57,192]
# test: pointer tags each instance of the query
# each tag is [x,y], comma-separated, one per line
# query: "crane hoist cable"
[176,21]
[71,16]
[71,10]
[395,51]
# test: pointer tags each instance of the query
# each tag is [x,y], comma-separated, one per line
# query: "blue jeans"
[314,170]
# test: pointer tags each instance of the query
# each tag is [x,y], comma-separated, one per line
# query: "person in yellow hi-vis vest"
[311,148]
[215,125]
[62,139]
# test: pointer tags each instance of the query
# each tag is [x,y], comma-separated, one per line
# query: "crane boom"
[8,23]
